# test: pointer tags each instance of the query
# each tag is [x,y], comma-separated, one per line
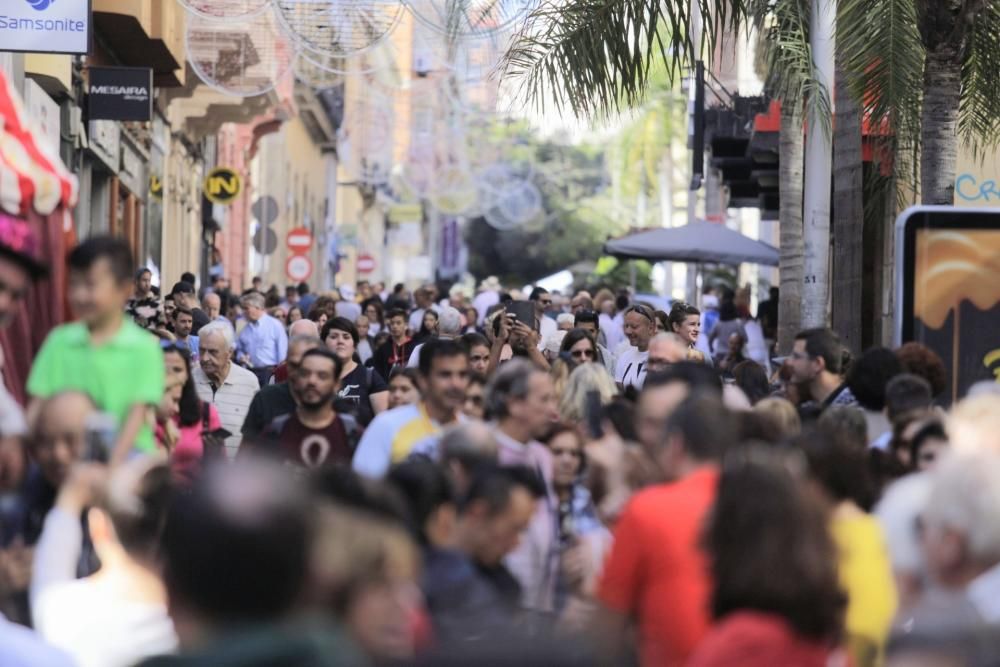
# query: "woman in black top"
[363,393]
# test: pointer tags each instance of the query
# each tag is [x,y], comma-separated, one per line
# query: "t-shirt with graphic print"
[294,442]
[630,370]
[355,389]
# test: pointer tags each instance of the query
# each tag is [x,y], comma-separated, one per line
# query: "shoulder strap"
[206,416]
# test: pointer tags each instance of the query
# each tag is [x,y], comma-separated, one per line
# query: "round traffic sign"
[299,241]
[366,263]
[298,268]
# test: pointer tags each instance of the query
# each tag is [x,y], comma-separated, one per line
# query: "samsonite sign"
[45,26]
[120,93]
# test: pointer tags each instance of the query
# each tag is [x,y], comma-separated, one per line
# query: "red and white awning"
[32,176]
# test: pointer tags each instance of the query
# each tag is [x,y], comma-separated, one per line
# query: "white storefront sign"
[45,26]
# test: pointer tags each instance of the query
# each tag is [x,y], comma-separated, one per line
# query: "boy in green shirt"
[103,353]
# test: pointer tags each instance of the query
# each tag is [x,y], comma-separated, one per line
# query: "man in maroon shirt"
[314,435]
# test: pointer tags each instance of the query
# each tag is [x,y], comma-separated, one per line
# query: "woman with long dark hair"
[777,597]
[581,348]
[363,392]
[190,418]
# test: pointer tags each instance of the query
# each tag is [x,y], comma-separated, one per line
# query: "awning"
[698,242]
[32,177]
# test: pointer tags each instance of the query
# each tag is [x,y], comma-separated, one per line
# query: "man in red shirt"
[657,573]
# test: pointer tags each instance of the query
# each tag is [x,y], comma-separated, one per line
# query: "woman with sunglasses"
[580,347]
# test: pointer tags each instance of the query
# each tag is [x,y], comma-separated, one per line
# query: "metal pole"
[819,174]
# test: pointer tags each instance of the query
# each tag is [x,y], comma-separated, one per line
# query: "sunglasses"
[642,310]
[582,354]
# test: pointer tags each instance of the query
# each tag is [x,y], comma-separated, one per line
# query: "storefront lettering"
[969,188]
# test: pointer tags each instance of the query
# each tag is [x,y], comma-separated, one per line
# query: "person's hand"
[15,567]
[84,482]
[573,563]
[507,324]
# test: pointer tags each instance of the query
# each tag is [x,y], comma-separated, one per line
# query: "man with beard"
[395,434]
[314,435]
[278,400]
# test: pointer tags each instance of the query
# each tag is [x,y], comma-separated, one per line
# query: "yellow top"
[866,576]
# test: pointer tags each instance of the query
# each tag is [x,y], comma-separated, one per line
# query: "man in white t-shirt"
[542,300]
[640,327]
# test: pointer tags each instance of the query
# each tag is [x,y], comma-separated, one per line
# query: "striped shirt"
[231,400]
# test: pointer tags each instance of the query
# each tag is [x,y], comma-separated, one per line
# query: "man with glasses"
[543,302]
[640,327]
[817,364]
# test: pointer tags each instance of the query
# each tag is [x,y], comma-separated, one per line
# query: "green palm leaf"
[979,113]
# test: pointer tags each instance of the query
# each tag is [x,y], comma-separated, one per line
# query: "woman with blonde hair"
[584,379]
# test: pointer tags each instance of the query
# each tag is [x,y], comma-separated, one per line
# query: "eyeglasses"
[582,354]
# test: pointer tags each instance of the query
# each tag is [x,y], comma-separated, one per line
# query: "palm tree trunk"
[848,216]
[790,150]
[939,124]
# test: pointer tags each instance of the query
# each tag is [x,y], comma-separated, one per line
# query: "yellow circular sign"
[222,185]
[155,187]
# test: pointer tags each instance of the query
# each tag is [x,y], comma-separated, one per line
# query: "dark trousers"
[263,374]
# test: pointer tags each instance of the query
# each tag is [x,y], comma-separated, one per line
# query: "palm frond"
[979,112]
[884,61]
[787,57]
[594,57]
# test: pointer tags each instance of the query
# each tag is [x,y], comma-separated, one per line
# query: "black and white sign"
[45,26]
[120,93]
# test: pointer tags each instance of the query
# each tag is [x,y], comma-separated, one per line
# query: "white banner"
[45,26]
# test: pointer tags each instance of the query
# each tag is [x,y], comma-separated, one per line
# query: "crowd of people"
[276,477]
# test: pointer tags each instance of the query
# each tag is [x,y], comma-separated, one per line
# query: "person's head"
[430,495]
[259,511]
[397,322]
[169,306]
[479,352]
[373,311]
[907,394]
[298,345]
[183,320]
[588,320]
[212,304]
[341,337]
[640,325]
[303,289]
[580,345]
[253,306]
[466,448]
[960,524]
[143,281]
[449,322]
[769,546]
[698,431]
[316,379]
[870,374]
[303,328]
[177,367]
[566,447]
[974,424]
[685,321]
[291,294]
[444,374]
[782,414]
[921,360]
[542,300]
[59,438]
[294,314]
[817,352]
[129,511]
[522,394]
[928,445]
[215,349]
[583,380]
[474,405]
[565,321]
[496,510]
[430,322]
[422,297]
[735,344]
[752,379]
[404,387]
[666,349]
[663,391]
[362,323]
[189,278]
[838,465]
[581,302]
[257,283]
[100,278]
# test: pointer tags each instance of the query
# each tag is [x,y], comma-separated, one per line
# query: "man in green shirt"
[103,354]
